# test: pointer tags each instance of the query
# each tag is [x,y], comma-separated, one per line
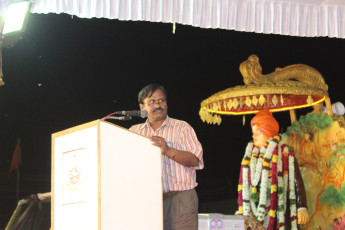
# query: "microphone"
[123,118]
[139,113]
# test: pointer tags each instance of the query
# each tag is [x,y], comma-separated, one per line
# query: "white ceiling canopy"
[304,18]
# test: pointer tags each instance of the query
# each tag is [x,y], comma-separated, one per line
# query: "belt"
[167,194]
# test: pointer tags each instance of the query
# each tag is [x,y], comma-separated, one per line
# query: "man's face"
[156,106]
[259,138]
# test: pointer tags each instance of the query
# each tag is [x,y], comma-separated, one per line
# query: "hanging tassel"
[244,120]
[174,28]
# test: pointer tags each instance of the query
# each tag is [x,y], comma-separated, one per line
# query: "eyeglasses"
[153,102]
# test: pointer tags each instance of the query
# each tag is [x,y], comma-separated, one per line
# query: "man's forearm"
[184,158]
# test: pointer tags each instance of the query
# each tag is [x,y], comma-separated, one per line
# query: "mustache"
[158,109]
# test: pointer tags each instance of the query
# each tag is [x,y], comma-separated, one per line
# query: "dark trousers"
[180,211]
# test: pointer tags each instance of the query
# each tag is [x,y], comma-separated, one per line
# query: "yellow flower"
[239,188]
[266,164]
[245,162]
[273,188]
[275,158]
[254,190]
[272,213]
[277,138]
[240,209]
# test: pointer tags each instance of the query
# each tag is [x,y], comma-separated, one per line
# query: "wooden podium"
[105,177]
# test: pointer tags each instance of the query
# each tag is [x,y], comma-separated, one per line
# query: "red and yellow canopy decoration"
[289,88]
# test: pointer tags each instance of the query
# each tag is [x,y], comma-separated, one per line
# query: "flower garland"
[265,182]
[282,186]
[292,194]
[256,165]
[274,189]
[275,167]
[243,186]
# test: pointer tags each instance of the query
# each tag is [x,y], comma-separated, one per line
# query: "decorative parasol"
[289,88]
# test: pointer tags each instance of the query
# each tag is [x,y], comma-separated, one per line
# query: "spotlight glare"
[15,17]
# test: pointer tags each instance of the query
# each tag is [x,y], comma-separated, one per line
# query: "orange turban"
[266,123]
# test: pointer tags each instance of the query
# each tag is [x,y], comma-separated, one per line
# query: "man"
[181,156]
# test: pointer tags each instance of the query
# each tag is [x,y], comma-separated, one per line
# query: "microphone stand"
[122,118]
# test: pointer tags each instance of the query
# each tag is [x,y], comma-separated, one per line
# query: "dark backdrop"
[67,71]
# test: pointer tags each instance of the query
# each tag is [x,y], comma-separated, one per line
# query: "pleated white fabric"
[306,18]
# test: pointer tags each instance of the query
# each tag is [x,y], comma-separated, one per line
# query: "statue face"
[259,138]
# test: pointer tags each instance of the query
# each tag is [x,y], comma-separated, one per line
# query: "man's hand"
[160,143]
[184,158]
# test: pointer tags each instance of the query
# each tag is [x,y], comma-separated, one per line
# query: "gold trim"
[275,100]
[248,102]
[261,99]
[229,104]
[295,88]
[219,105]
[235,103]
[310,100]
[210,112]
[255,100]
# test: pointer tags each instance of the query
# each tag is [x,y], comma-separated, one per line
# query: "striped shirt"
[181,136]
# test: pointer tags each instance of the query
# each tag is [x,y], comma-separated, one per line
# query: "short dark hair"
[150,89]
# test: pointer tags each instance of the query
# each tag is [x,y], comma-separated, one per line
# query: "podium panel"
[105,177]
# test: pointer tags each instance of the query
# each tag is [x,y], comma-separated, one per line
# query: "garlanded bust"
[271,188]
